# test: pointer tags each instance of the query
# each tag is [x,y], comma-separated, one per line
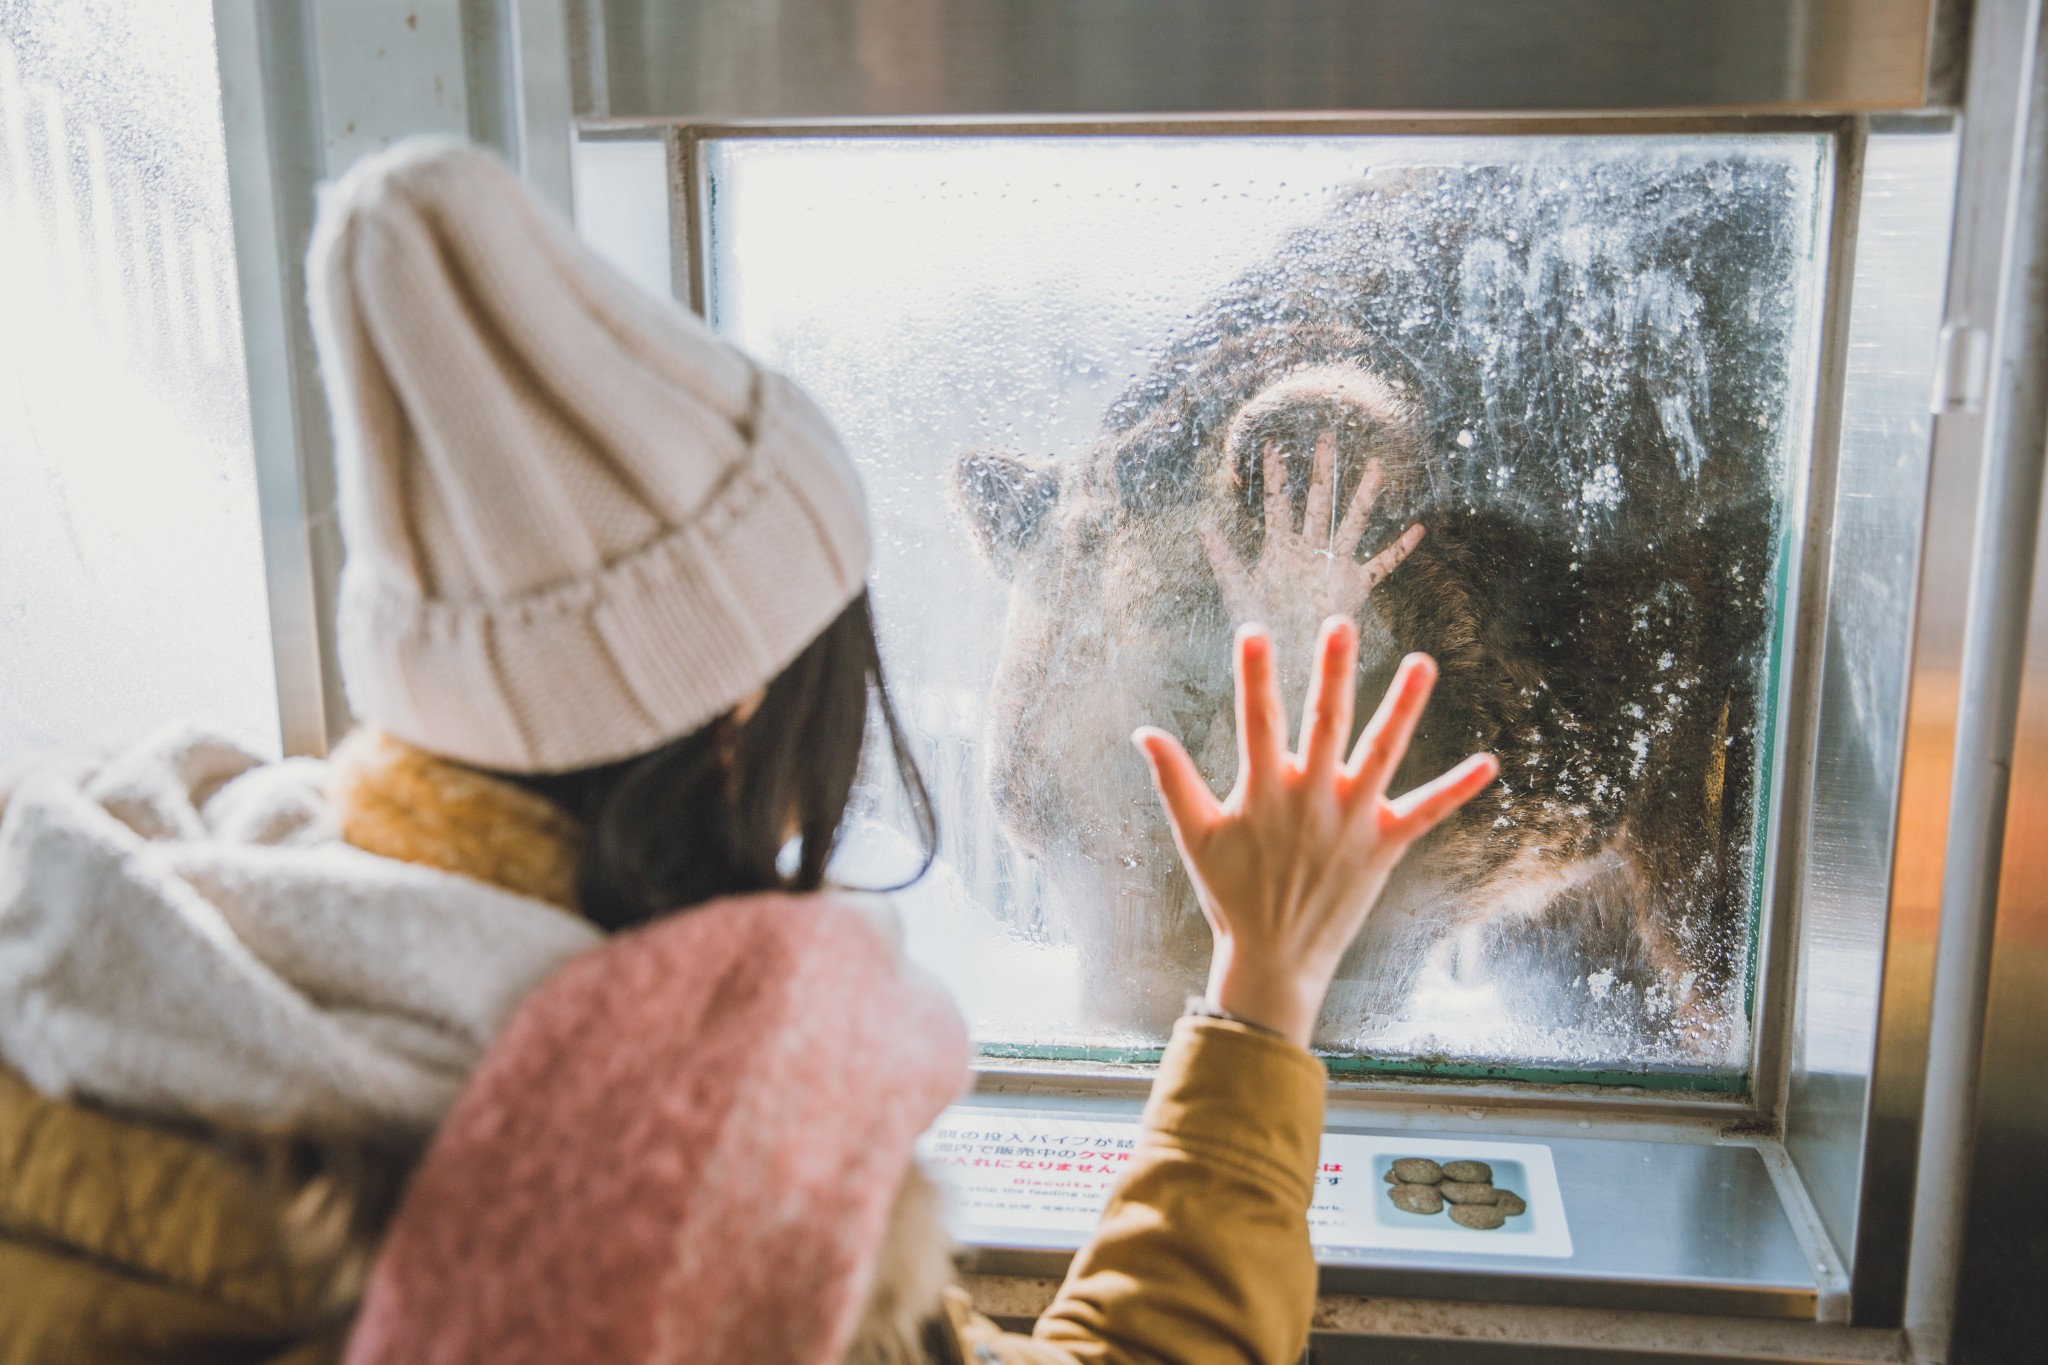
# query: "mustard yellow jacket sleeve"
[1202,1256]
[123,1241]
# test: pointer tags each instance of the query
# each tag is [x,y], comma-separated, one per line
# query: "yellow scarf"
[400,802]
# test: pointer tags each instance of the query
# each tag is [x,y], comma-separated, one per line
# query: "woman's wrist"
[1282,1000]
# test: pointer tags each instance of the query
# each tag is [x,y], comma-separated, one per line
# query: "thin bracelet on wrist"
[1198,1007]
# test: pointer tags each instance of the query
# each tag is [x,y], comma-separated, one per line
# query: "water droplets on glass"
[1063,364]
[131,573]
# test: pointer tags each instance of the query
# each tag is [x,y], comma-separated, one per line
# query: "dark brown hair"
[712,814]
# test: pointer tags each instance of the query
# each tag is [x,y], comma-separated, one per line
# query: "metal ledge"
[1669,1218]
[1663,1228]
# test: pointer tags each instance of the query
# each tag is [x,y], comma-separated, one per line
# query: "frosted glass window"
[1581,365]
[622,206]
[131,570]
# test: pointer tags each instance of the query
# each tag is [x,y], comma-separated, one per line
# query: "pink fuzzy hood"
[683,1148]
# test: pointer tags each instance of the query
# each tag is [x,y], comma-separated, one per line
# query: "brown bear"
[1534,418]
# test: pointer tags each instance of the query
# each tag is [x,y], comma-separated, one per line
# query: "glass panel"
[622,206]
[1581,365]
[1880,502]
[131,569]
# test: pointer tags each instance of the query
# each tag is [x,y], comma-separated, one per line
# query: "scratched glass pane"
[1067,368]
[131,567]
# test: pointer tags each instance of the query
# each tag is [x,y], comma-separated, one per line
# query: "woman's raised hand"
[1290,863]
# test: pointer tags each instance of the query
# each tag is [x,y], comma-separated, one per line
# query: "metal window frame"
[1990,430]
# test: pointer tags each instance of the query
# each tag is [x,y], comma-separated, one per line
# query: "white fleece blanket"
[183,933]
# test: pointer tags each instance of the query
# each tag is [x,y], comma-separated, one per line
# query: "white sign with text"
[1036,1181]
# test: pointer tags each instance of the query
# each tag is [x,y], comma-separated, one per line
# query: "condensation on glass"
[1067,368]
[622,206]
[131,570]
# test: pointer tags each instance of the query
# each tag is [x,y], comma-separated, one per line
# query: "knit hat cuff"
[660,642]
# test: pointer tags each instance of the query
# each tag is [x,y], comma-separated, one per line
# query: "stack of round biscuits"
[1422,1186]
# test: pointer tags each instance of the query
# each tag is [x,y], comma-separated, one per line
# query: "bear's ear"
[1006,501]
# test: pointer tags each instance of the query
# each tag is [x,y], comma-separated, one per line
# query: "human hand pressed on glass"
[1288,866]
[1302,576]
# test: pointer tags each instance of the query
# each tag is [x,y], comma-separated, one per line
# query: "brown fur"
[1583,403]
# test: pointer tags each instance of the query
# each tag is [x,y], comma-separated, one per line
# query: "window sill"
[1669,1215]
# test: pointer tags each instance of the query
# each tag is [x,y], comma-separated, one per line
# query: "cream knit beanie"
[578,524]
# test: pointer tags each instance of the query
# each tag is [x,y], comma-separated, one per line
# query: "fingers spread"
[1322,492]
[1191,808]
[1223,561]
[1261,719]
[1386,561]
[1326,719]
[1385,741]
[1360,511]
[1421,810]
[1279,508]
